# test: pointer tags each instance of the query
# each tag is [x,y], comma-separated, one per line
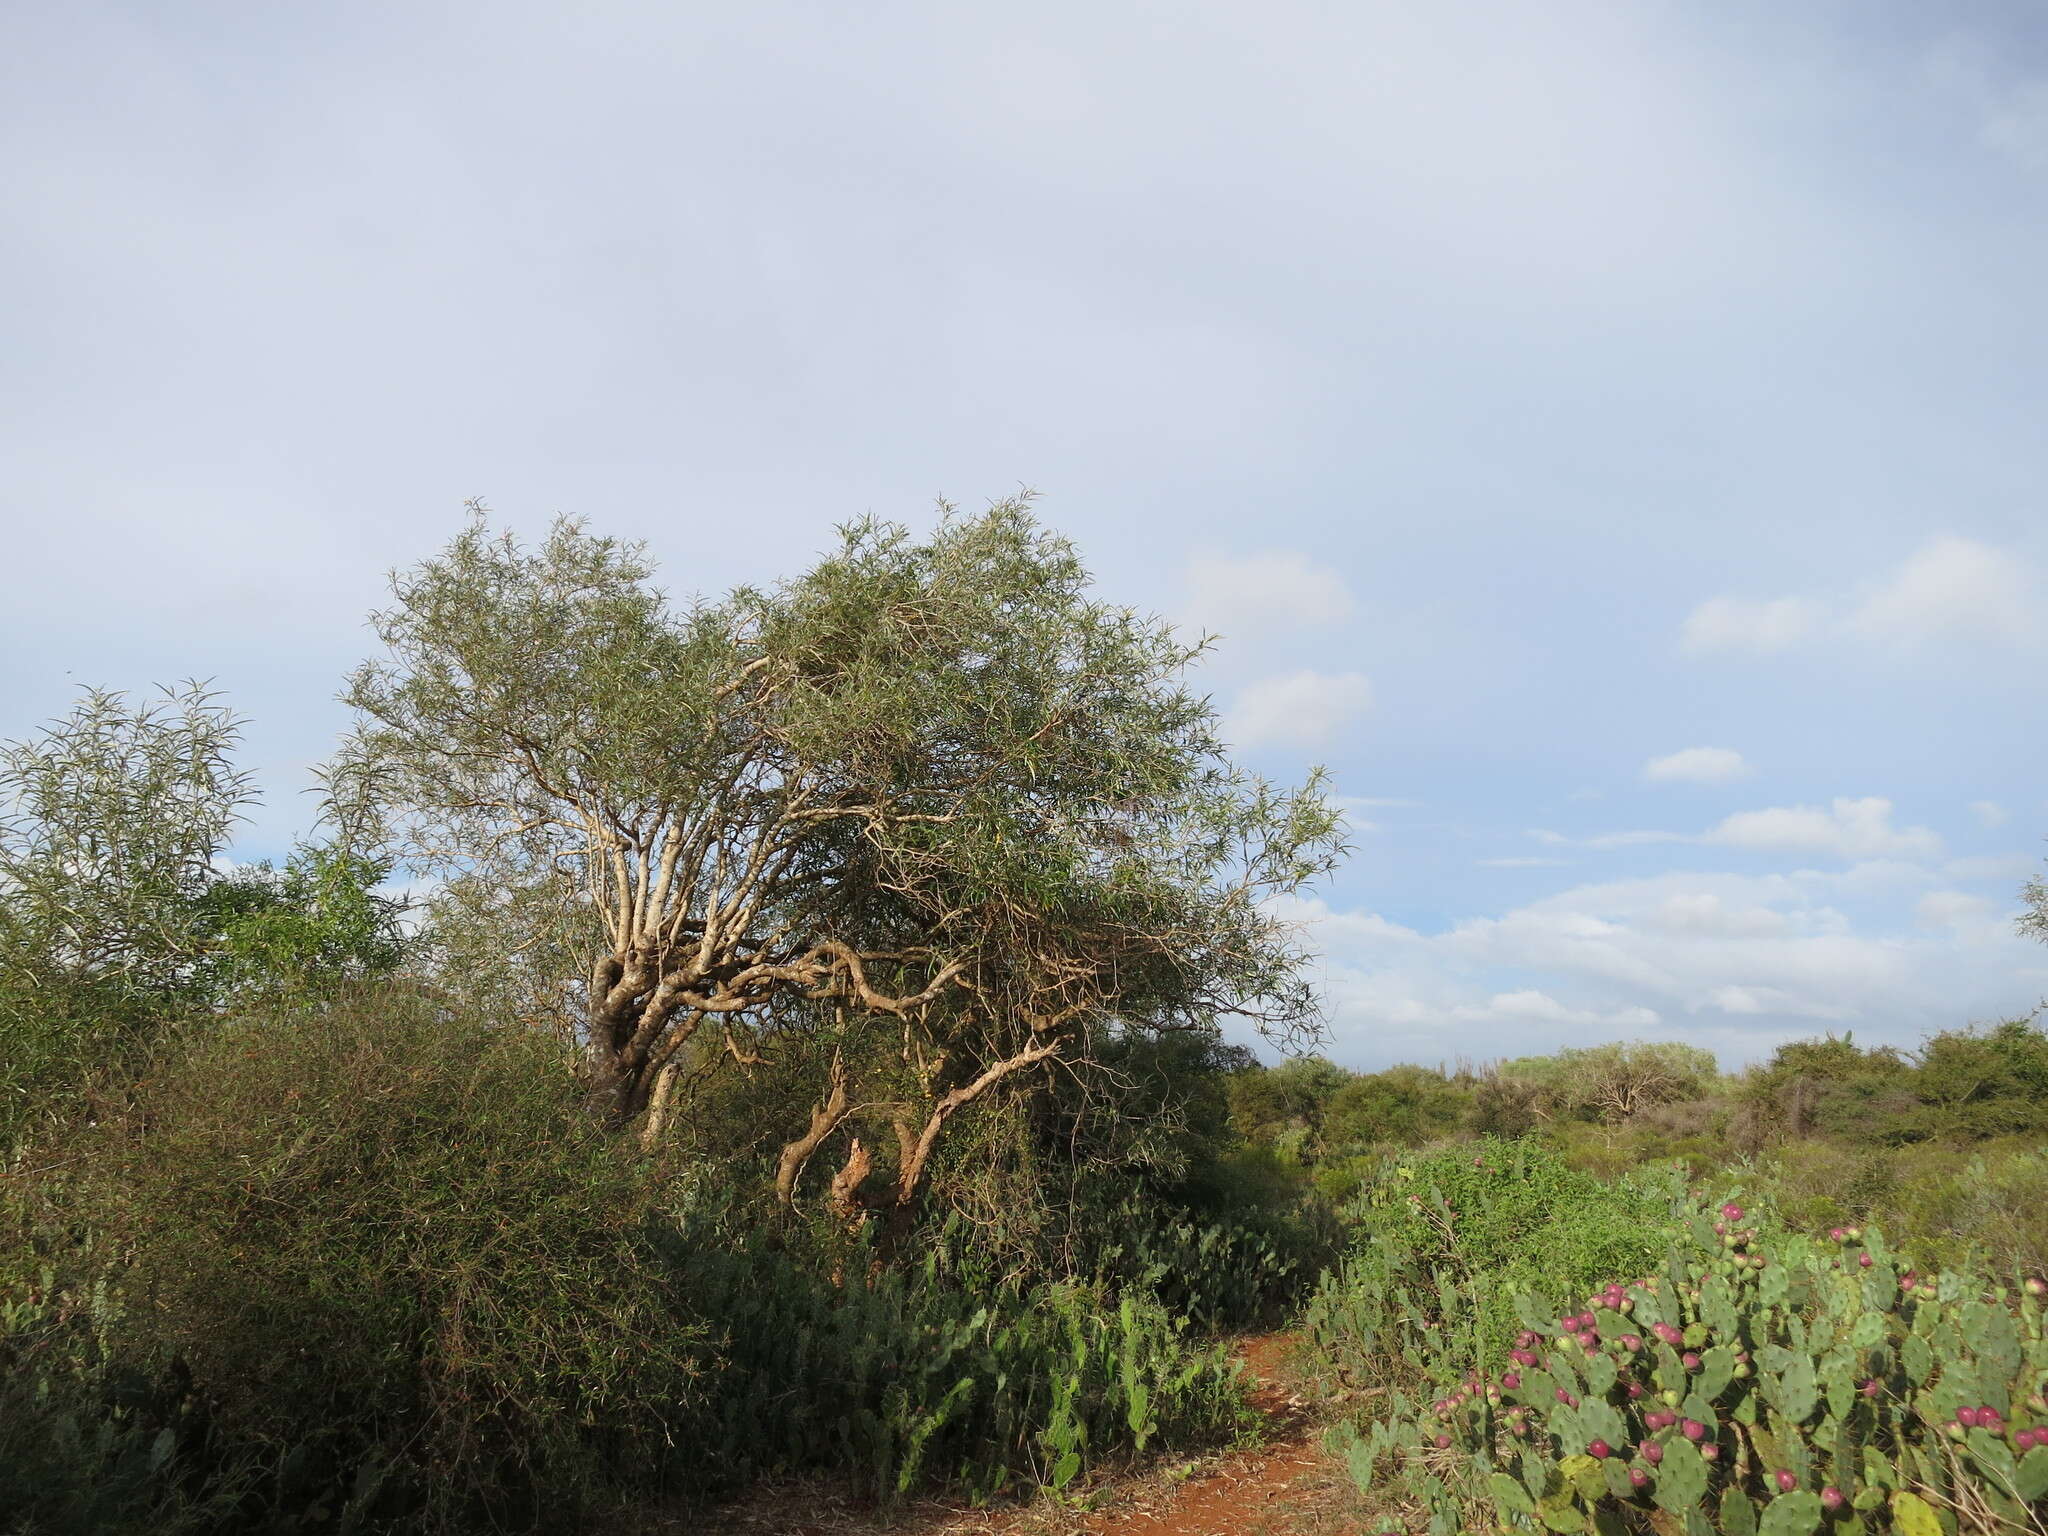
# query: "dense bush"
[1446,1243]
[379,1263]
[378,1237]
[1949,1204]
[894,1378]
[1757,1381]
[87,1449]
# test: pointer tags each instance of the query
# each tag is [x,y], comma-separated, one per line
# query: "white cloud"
[1521,863]
[1297,709]
[1698,765]
[1351,810]
[1354,809]
[1949,909]
[1990,813]
[1761,1000]
[1750,626]
[1847,828]
[1707,912]
[1948,587]
[1993,866]
[1736,963]
[1530,1006]
[1238,596]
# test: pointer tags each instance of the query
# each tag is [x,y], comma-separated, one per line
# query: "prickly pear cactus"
[1764,1383]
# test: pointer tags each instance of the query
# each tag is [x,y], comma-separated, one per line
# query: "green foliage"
[80,1455]
[1758,1380]
[1950,1204]
[301,933]
[1402,1106]
[1618,1081]
[1966,1085]
[1446,1243]
[111,822]
[2034,920]
[1233,1272]
[110,825]
[115,915]
[933,783]
[909,1377]
[376,1263]
[378,1235]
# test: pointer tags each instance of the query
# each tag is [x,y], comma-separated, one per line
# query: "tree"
[1610,1082]
[927,809]
[300,933]
[111,823]
[1619,1081]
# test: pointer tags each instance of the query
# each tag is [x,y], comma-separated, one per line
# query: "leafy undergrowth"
[1275,1479]
[1758,1381]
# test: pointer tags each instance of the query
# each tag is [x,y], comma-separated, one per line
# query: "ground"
[1285,1485]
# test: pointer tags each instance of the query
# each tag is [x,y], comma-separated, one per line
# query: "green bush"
[1445,1243]
[1243,1268]
[381,1265]
[382,1237]
[1949,1205]
[82,1451]
[897,1378]
[1758,1381]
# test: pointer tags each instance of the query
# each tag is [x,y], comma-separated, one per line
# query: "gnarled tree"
[928,800]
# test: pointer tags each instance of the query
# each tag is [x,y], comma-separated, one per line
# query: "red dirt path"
[1241,1494]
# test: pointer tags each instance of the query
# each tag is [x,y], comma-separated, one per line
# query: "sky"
[1608,436]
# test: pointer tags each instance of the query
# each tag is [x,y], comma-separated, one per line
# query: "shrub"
[1949,1205]
[385,1237]
[80,1455]
[1445,1242]
[898,1378]
[1761,1381]
[382,1265]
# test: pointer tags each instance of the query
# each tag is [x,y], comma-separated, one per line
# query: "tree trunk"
[917,1151]
[844,1193]
[657,1107]
[825,1119]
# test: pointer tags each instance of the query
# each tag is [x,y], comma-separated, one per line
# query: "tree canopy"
[929,803]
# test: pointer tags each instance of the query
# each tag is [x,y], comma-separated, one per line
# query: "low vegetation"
[807,1061]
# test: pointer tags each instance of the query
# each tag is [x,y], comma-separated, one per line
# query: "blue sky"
[1530,396]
